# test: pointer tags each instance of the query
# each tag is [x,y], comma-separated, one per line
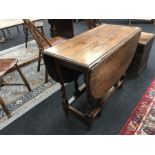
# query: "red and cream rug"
[142,119]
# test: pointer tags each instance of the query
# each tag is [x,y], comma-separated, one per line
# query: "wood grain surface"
[109,71]
[86,48]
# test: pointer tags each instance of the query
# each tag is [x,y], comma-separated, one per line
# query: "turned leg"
[26,36]
[64,98]
[89,119]
[8,32]
[23,78]
[3,33]
[63,91]
[39,61]
[4,107]
[17,29]
[76,86]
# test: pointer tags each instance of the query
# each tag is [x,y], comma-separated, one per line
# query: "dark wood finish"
[92,23]
[2,103]
[5,66]
[64,27]
[61,27]
[42,42]
[112,68]
[140,59]
[39,25]
[88,48]
[102,55]
[25,63]
[147,21]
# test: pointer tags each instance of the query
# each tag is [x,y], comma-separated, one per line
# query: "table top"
[6,23]
[89,47]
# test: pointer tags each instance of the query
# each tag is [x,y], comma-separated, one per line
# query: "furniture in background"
[139,62]
[5,66]
[102,56]
[42,42]
[38,24]
[92,23]
[61,27]
[153,21]
[3,32]
[5,24]
[146,20]
[64,27]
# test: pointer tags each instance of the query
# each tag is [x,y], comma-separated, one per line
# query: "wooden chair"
[38,24]
[5,66]
[42,42]
[52,66]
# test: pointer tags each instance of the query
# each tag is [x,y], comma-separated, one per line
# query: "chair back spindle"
[37,35]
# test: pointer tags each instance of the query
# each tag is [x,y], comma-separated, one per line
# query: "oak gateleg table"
[102,55]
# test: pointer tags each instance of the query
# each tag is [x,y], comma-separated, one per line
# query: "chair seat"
[53,41]
[6,65]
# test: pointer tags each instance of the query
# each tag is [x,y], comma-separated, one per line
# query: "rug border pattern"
[134,121]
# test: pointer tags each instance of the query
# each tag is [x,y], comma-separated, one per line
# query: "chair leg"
[17,29]
[26,37]
[3,33]
[39,61]
[23,78]
[4,108]
[8,32]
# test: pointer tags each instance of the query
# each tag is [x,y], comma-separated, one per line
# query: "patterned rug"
[142,119]
[21,53]
[17,98]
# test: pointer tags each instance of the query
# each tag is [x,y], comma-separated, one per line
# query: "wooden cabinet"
[61,27]
[139,62]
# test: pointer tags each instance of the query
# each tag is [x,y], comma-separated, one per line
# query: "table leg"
[3,33]
[65,103]
[76,86]
[39,60]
